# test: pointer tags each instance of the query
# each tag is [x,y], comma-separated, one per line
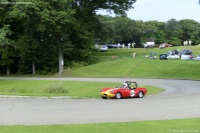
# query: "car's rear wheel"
[140,94]
[118,95]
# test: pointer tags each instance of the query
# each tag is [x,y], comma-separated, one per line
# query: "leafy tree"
[124,29]
[173,31]
[4,32]
[38,17]
[6,48]
[86,7]
[60,18]
[105,31]
[155,30]
[139,33]
[190,30]
[88,22]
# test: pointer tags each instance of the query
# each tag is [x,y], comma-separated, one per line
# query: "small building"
[149,43]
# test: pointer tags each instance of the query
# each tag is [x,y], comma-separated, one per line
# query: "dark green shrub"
[56,89]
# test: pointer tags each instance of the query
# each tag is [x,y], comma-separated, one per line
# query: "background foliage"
[35,34]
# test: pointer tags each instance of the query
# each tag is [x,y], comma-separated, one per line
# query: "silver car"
[197,57]
[103,48]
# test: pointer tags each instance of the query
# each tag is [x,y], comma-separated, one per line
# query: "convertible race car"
[128,90]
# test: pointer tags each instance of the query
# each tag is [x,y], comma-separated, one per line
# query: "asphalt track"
[180,100]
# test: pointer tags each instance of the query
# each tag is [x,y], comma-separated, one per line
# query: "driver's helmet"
[125,85]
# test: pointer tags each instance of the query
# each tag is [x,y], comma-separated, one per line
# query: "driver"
[125,85]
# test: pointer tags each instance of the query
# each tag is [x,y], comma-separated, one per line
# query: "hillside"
[119,63]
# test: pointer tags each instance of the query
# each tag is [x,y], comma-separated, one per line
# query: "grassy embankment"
[119,63]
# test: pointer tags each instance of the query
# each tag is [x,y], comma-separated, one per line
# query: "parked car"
[175,56]
[165,45]
[187,57]
[185,52]
[103,48]
[163,56]
[197,57]
[128,90]
[112,46]
[173,52]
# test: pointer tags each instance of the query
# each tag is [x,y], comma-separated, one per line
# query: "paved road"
[180,100]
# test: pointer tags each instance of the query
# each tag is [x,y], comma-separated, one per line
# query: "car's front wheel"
[140,94]
[118,95]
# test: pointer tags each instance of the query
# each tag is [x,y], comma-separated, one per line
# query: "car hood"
[111,89]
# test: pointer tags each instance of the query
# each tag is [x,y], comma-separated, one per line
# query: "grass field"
[161,126]
[119,63]
[59,88]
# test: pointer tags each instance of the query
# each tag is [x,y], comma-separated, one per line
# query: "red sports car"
[128,90]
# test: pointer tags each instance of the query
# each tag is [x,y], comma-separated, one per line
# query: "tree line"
[125,30]
[41,36]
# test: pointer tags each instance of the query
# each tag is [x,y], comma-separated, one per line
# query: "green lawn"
[141,68]
[160,126]
[59,88]
[119,63]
